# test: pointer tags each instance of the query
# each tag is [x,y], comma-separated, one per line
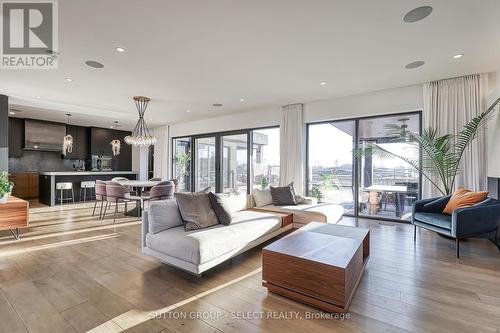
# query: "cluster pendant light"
[140,135]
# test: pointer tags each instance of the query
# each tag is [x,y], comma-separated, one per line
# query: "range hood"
[43,135]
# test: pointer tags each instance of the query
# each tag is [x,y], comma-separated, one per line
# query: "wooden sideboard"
[14,215]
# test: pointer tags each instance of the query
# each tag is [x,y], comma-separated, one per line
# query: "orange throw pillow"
[464,198]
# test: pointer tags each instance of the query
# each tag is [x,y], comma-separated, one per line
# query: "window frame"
[356,170]
[218,154]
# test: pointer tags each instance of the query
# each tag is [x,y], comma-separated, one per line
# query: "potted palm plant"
[5,187]
[441,154]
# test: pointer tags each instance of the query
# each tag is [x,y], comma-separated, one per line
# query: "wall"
[136,158]
[268,117]
[4,133]
[379,102]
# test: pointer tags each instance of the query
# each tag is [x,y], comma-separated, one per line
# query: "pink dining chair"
[161,191]
[100,195]
[116,193]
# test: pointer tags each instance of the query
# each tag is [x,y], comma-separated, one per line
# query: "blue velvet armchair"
[480,219]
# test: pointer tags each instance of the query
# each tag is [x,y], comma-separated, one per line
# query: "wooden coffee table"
[14,215]
[320,264]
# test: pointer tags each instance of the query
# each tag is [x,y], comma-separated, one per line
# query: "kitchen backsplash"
[36,161]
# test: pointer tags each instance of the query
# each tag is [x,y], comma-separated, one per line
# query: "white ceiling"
[191,54]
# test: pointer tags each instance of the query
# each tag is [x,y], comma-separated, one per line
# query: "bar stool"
[65,187]
[83,189]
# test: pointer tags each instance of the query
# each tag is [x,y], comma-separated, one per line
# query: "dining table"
[397,190]
[138,186]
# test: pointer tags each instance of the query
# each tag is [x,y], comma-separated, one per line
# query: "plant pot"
[4,198]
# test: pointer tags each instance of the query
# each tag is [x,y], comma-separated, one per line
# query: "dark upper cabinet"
[81,142]
[100,144]
[16,137]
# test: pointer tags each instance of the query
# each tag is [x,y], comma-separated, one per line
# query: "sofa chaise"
[306,210]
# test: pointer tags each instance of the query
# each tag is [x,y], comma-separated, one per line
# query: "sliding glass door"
[182,163]
[365,185]
[330,163]
[388,186]
[265,158]
[234,172]
[205,158]
[231,161]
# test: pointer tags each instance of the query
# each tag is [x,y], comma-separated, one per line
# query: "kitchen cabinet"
[16,137]
[100,144]
[25,185]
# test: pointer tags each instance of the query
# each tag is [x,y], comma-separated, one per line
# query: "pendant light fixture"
[140,135]
[67,146]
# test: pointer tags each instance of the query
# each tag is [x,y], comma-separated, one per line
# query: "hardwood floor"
[71,272]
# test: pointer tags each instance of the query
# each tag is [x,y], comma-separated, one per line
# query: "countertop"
[86,173]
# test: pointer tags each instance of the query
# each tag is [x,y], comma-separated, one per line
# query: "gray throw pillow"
[196,211]
[163,215]
[283,196]
[226,204]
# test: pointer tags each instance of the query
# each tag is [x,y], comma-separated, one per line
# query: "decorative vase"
[4,198]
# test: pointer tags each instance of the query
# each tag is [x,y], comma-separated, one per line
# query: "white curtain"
[448,106]
[292,156]
[161,152]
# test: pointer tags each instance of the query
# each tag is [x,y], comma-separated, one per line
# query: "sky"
[329,146]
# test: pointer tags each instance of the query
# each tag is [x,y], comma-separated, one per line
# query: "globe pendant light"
[140,135]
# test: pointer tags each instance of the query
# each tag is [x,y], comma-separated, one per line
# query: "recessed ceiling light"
[417,14]
[414,64]
[188,110]
[69,79]
[12,113]
[120,49]
[217,105]
[94,64]
[242,99]
[322,83]
[458,56]
[37,97]
[111,126]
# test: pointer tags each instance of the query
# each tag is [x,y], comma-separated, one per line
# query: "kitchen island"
[48,180]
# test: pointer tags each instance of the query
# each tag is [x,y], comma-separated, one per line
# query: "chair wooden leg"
[457,241]
[95,205]
[414,233]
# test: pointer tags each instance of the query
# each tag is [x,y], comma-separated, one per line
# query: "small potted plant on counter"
[5,187]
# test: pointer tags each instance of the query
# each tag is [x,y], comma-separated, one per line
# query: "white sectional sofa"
[307,210]
[164,238]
